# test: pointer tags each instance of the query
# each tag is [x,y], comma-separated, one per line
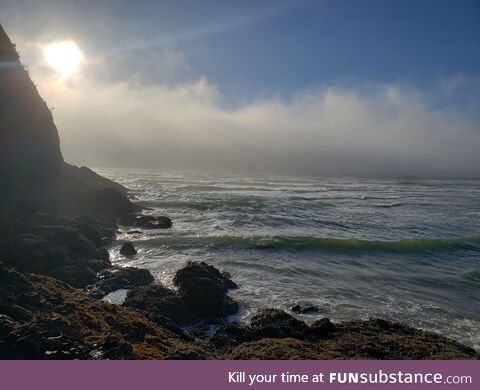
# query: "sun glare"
[64,57]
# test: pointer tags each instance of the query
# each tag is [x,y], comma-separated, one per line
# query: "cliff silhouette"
[32,168]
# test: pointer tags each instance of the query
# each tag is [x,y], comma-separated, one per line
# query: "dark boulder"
[195,273]
[116,278]
[152,222]
[204,288]
[306,309]
[128,249]
[201,296]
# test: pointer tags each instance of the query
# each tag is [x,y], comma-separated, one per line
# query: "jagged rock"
[116,278]
[63,323]
[201,296]
[204,288]
[298,309]
[152,222]
[128,249]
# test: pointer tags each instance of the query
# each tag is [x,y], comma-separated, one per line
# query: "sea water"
[401,249]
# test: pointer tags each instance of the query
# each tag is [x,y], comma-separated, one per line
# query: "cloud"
[382,129]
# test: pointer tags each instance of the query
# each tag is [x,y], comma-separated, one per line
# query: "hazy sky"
[315,87]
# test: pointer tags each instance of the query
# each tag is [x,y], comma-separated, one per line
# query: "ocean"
[401,249]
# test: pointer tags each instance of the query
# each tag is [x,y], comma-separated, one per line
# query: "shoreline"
[201,295]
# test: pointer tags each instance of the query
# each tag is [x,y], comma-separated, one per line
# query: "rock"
[201,296]
[74,275]
[194,273]
[158,302]
[204,288]
[321,328]
[64,323]
[274,323]
[297,309]
[152,222]
[116,278]
[67,237]
[107,201]
[30,253]
[128,249]
[90,233]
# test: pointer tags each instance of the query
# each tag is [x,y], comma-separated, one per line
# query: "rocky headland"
[55,222]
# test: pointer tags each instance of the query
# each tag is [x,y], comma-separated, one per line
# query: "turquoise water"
[402,249]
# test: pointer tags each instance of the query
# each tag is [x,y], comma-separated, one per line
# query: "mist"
[373,130]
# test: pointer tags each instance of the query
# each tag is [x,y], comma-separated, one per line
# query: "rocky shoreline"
[55,221]
[55,271]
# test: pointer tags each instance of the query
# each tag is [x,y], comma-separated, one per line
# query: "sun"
[65,57]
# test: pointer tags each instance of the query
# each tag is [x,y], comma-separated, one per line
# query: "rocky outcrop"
[116,278]
[146,221]
[201,296]
[128,249]
[42,318]
[274,334]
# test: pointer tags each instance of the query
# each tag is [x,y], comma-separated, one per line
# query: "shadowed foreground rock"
[201,296]
[43,318]
[116,278]
[274,334]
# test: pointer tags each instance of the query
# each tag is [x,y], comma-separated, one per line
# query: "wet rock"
[204,289]
[201,296]
[306,309]
[152,222]
[128,249]
[59,322]
[116,278]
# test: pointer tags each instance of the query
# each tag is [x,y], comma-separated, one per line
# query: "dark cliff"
[29,145]
[32,169]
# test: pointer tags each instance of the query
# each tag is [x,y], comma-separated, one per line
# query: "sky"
[310,87]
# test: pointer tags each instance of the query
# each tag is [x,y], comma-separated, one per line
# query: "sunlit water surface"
[401,249]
